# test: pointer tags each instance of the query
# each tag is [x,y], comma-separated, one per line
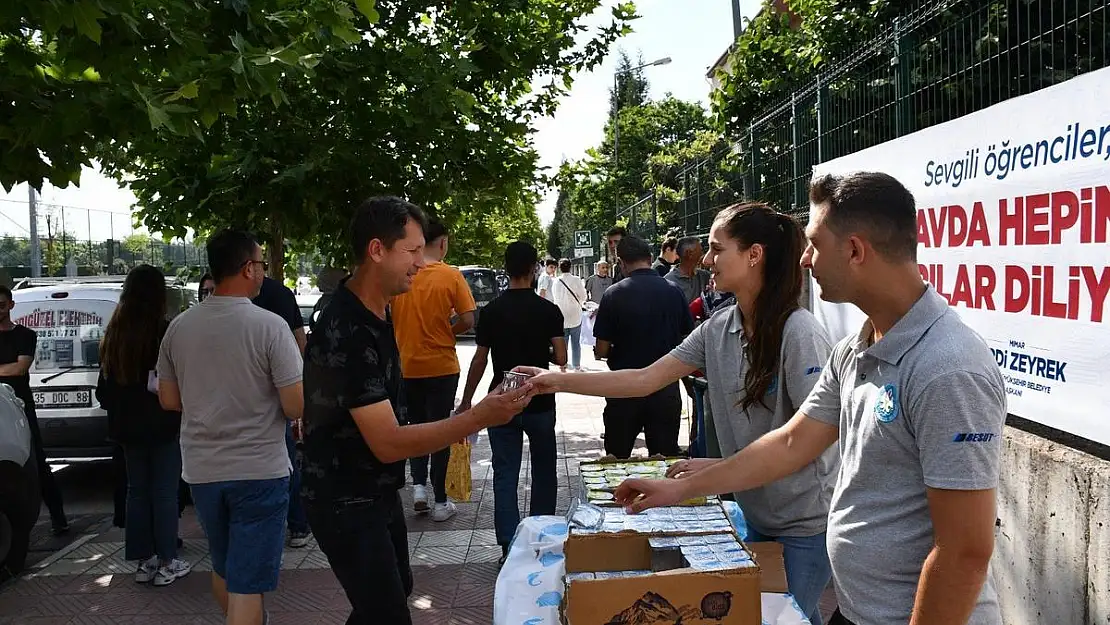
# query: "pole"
[36,252]
[616,147]
[65,251]
[737,21]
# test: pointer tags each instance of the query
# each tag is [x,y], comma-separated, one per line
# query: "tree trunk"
[277,251]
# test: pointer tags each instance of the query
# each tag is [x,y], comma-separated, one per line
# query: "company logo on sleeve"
[812,370]
[973,437]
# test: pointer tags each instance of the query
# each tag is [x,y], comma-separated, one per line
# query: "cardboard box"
[681,597]
[772,569]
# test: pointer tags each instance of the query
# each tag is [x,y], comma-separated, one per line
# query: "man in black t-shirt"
[520,328]
[17,353]
[640,320]
[279,299]
[356,432]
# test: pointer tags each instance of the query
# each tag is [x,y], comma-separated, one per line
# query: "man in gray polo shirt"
[234,410]
[687,274]
[918,406]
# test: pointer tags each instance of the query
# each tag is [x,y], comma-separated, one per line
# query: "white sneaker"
[171,572]
[444,511]
[419,498]
[147,570]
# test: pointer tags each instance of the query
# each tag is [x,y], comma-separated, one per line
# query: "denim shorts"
[244,521]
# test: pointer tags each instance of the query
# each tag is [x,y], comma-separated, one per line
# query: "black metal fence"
[937,62]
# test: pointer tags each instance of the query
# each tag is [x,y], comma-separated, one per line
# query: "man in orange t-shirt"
[426,338]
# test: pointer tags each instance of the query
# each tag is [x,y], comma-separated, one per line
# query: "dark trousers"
[51,495]
[657,416]
[838,619]
[298,523]
[153,475]
[429,400]
[119,472]
[507,442]
[367,547]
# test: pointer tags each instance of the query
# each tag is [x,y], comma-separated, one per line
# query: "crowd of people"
[849,455]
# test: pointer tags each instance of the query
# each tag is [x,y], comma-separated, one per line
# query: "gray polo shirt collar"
[894,345]
[736,324]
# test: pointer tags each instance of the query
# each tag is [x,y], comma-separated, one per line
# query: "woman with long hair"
[127,390]
[761,358]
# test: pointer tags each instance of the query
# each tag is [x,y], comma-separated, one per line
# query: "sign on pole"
[584,238]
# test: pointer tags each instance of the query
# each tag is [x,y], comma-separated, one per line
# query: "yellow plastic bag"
[458,472]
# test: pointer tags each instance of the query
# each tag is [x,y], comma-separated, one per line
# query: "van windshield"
[69,331]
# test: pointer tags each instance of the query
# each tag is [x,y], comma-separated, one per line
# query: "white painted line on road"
[64,551]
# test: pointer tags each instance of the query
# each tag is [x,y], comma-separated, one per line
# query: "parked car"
[69,316]
[484,286]
[20,498]
[307,304]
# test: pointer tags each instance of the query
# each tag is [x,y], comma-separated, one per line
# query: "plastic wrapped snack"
[512,381]
[585,515]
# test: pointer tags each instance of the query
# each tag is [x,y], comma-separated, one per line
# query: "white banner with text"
[1013,226]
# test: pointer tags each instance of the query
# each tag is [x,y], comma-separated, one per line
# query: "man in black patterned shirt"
[356,432]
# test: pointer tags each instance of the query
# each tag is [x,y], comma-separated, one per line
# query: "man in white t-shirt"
[546,278]
[569,295]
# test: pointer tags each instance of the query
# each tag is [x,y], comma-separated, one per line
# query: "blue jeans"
[244,521]
[807,568]
[507,443]
[298,522]
[573,337]
[152,475]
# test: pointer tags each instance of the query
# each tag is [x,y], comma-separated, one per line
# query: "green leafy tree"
[15,251]
[433,102]
[888,68]
[630,87]
[76,74]
[596,184]
[561,229]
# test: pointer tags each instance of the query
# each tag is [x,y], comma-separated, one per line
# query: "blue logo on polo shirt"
[773,386]
[886,406]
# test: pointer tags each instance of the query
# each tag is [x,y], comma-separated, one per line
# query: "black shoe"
[504,556]
[180,543]
[58,529]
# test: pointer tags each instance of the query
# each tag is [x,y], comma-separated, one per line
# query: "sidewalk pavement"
[454,563]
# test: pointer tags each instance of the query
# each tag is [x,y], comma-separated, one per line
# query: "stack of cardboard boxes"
[682,565]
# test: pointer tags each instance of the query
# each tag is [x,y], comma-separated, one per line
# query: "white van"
[69,316]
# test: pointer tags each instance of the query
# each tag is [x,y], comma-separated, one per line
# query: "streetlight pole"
[617,126]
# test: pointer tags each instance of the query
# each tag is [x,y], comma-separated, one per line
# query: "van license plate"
[63,398]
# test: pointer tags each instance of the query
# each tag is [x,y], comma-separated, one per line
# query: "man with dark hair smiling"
[911,522]
[234,411]
[356,433]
